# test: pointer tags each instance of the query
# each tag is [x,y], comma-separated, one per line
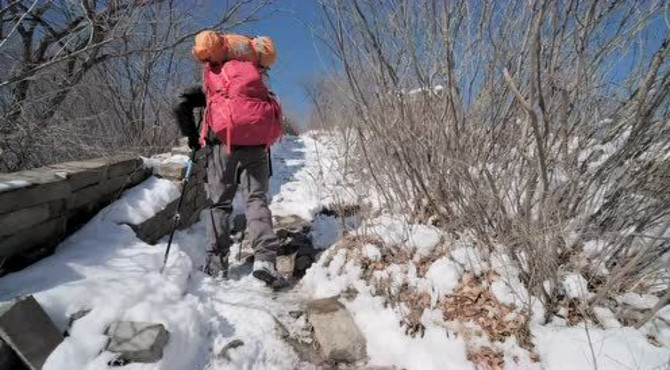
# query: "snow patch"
[441,278]
[639,301]
[423,240]
[575,286]
[372,252]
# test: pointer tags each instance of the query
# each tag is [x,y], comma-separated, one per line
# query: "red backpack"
[240,108]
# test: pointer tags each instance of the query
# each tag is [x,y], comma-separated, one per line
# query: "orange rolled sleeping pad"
[211,46]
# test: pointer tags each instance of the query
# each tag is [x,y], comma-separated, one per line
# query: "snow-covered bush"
[548,137]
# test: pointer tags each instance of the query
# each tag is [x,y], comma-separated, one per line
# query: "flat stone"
[8,359]
[291,222]
[47,233]
[181,150]
[82,173]
[170,170]
[124,164]
[85,196]
[21,219]
[303,262]
[339,338]
[21,179]
[101,193]
[27,329]
[32,194]
[285,265]
[151,230]
[136,341]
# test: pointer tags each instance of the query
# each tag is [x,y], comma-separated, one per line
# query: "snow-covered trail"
[106,269]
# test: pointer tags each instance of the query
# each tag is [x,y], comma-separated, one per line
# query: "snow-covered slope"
[384,269]
[106,269]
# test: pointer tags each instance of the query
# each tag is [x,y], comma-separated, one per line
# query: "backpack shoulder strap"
[204,126]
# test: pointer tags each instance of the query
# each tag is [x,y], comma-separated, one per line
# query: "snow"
[391,230]
[594,247]
[441,278]
[606,318]
[387,344]
[330,279]
[13,184]
[469,258]
[105,268]
[639,301]
[293,189]
[575,286]
[659,327]
[615,349]
[141,202]
[435,89]
[372,252]
[420,240]
[423,240]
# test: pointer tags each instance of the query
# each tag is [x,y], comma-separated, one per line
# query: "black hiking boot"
[265,271]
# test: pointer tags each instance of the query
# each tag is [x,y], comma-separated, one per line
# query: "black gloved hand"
[194,142]
[186,102]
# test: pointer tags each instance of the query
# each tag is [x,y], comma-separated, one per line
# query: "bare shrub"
[540,126]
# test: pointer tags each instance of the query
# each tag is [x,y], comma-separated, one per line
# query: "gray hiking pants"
[248,167]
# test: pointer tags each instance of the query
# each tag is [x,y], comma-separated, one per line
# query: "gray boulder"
[336,332]
[26,328]
[137,341]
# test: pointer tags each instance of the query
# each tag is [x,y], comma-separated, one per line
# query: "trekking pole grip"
[189,165]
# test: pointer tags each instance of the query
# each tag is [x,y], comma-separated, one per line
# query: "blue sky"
[300,57]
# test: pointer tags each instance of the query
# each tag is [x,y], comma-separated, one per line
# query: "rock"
[285,265]
[20,190]
[302,263]
[8,359]
[181,150]
[295,314]
[336,332]
[290,222]
[291,241]
[224,353]
[44,235]
[123,164]
[82,173]
[74,317]
[170,170]
[136,341]
[27,329]
[154,228]
[24,218]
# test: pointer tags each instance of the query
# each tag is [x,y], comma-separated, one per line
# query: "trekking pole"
[177,215]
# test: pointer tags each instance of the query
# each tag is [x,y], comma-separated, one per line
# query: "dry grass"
[473,301]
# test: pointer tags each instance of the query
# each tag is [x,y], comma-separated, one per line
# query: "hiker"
[241,120]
